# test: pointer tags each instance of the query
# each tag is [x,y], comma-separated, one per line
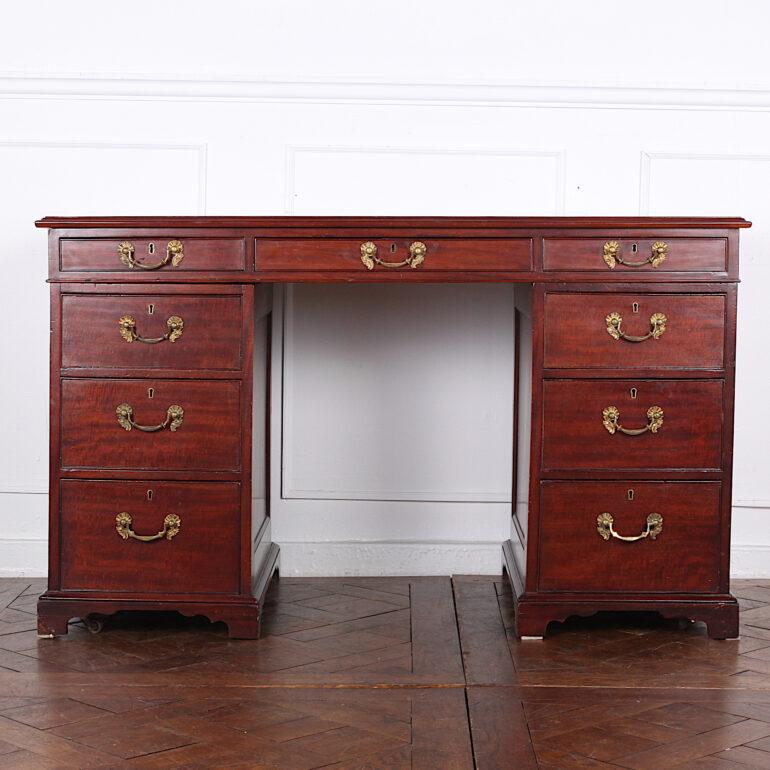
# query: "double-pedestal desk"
[160,405]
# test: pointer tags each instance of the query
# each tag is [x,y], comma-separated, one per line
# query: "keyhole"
[635,307]
[150,309]
[630,494]
[151,248]
[149,494]
[150,392]
[633,392]
[392,248]
[634,248]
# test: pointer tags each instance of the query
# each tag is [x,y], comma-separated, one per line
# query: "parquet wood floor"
[384,673]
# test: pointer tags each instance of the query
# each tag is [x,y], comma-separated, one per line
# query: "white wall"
[395,415]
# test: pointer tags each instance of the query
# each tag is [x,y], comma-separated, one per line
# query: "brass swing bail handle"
[174,417]
[174,255]
[611,421]
[604,526]
[612,255]
[417,252]
[171,526]
[127,326]
[658,323]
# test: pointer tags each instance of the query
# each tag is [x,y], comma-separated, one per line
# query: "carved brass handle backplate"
[174,417]
[604,526]
[417,251]
[171,525]
[611,421]
[128,331]
[174,255]
[612,255]
[657,326]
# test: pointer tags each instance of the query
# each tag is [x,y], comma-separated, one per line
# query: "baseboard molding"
[29,558]
[389,558]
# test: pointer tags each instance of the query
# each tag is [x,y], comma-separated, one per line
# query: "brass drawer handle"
[604,522]
[611,421]
[174,254]
[128,331]
[171,525]
[417,251]
[658,323]
[612,255]
[174,417]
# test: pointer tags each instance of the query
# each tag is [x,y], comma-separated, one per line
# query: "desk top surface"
[528,223]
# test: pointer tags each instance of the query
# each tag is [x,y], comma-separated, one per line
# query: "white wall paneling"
[391,403]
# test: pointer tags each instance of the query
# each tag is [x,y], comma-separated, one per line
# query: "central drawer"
[105,422]
[404,255]
[202,556]
[151,331]
[682,557]
[586,424]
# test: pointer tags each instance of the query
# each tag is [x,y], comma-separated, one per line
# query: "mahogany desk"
[160,405]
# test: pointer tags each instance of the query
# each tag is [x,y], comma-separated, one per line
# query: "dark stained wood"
[101,254]
[574,437]
[93,438]
[576,331]
[331,684]
[684,254]
[684,557]
[202,558]
[210,339]
[492,254]
[575,370]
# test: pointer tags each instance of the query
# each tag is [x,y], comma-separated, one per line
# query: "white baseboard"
[389,558]
[750,561]
[29,558]
[24,558]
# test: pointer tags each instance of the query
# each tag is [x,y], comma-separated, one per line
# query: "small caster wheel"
[94,623]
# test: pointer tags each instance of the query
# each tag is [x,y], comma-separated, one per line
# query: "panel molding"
[293,150]
[479,93]
[288,491]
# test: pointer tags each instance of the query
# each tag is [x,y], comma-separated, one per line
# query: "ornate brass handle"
[657,326]
[417,251]
[174,417]
[611,421]
[171,525]
[604,522]
[612,255]
[174,254]
[128,331]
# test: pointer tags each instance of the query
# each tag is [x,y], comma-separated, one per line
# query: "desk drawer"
[404,255]
[203,556]
[682,557]
[580,432]
[619,255]
[151,331]
[205,436]
[619,331]
[160,254]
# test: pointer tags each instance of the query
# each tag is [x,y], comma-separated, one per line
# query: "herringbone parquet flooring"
[384,673]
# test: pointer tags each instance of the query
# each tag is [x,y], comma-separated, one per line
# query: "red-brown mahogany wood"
[557,562]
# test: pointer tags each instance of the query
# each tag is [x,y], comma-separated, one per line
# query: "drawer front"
[201,557]
[159,255]
[619,331]
[206,436]
[492,254]
[635,255]
[151,331]
[575,436]
[683,556]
